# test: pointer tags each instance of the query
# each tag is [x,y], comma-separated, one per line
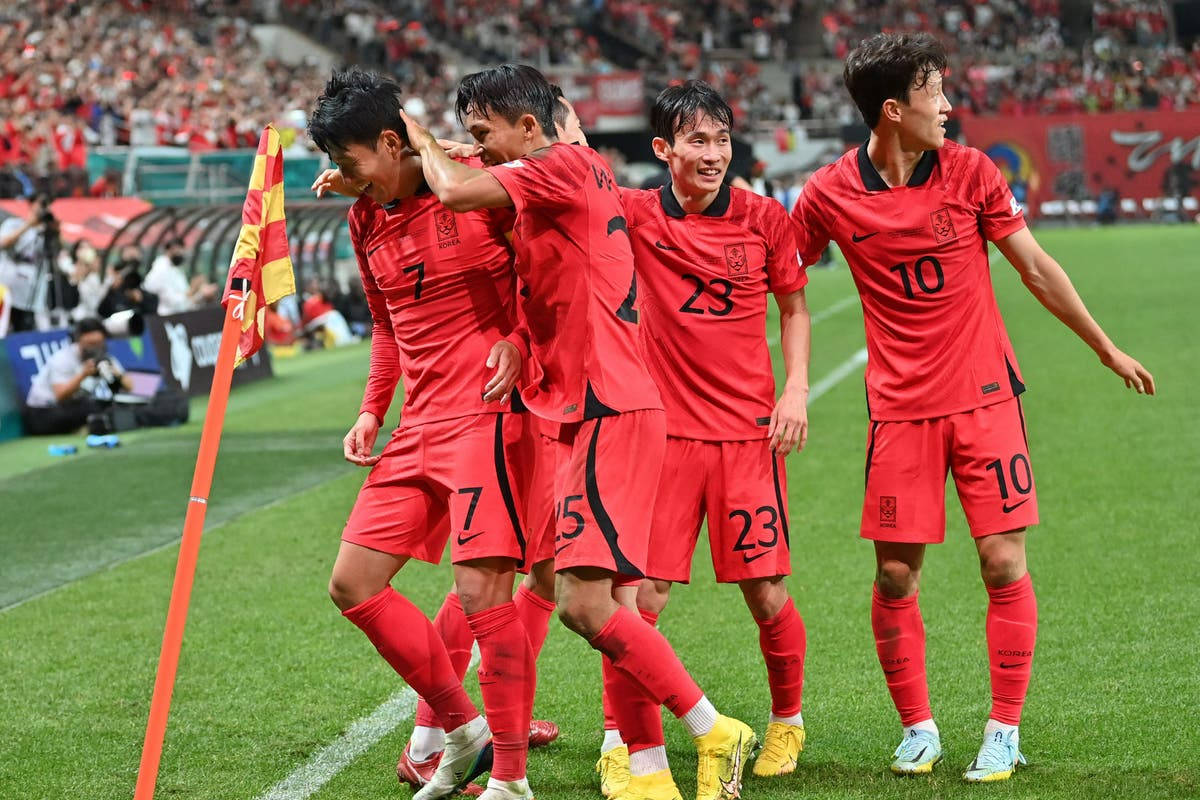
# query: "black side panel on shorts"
[1024,434]
[623,564]
[505,487]
[870,454]
[779,499]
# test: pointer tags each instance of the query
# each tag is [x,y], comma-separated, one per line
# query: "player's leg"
[610,538]
[995,484]
[746,502]
[903,511]
[535,606]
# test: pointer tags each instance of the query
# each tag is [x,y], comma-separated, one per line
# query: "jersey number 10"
[920,271]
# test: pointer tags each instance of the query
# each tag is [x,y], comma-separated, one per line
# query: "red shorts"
[742,488]
[547,452]
[605,491]
[984,449]
[448,479]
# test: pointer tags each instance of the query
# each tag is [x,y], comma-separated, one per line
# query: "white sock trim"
[923,725]
[701,718]
[793,719]
[425,742]
[995,726]
[648,761]
[612,740]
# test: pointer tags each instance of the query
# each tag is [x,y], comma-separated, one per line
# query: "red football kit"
[441,289]
[579,303]
[942,379]
[705,281]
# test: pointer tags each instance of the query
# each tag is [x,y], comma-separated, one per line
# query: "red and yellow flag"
[261,255]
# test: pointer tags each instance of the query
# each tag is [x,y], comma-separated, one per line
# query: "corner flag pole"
[189,551]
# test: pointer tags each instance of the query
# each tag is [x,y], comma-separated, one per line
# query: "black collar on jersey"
[716,208]
[874,183]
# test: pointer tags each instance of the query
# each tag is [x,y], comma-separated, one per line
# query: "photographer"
[77,381]
[125,292]
[25,263]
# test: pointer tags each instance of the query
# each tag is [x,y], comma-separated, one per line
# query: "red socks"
[408,641]
[506,681]
[451,625]
[534,613]
[900,642]
[645,656]
[1011,634]
[782,639]
[634,713]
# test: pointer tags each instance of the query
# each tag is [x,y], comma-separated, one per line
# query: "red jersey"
[705,279]
[579,296]
[441,289]
[935,341]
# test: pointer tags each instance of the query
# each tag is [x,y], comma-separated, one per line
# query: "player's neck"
[894,163]
[693,203]
[539,142]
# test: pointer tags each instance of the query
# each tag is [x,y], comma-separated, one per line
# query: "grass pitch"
[270,674]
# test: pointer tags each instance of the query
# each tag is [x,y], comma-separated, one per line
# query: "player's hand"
[332,180]
[89,368]
[418,137]
[360,441]
[1134,374]
[505,358]
[789,422]
[457,149]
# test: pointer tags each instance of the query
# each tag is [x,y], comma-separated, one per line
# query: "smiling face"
[922,120]
[699,155]
[499,140]
[389,171]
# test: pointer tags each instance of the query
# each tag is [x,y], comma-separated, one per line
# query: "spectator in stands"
[167,279]
[125,292]
[77,381]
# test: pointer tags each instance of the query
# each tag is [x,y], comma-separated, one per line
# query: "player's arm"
[458,186]
[1047,281]
[383,374]
[789,419]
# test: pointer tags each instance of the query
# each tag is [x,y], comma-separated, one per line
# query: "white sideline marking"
[839,373]
[820,316]
[307,779]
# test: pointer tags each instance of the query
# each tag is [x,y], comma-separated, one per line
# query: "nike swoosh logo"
[658,243]
[1011,666]
[856,238]
[748,558]
[558,550]
[373,250]
[1009,509]
[464,539]
[731,786]
[894,671]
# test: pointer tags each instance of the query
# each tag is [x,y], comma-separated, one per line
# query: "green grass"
[270,673]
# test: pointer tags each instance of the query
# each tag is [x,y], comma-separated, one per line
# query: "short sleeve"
[546,179]
[808,225]
[785,272]
[999,212]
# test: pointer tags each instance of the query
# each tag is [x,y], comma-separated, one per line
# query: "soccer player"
[913,214]
[707,257]
[574,258]
[442,293]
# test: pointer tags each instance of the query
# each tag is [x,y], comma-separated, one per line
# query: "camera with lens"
[44,215]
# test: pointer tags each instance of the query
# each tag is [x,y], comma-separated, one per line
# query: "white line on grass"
[821,316]
[839,373]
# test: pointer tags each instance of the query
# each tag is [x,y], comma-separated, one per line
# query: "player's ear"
[662,148]
[891,110]
[391,142]
[529,126]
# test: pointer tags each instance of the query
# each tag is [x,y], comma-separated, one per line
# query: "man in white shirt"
[166,279]
[78,380]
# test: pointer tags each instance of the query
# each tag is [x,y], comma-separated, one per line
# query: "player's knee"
[1002,568]
[577,617]
[345,594]
[897,578]
[653,595]
[765,597]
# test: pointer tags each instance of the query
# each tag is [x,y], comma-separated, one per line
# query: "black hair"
[679,107]
[509,91]
[887,66]
[355,108]
[88,325]
[560,108]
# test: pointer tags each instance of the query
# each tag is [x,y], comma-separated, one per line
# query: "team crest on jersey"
[887,511]
[737,260]
[447,227]
[943,226]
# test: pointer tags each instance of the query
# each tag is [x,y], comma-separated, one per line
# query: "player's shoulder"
[640,204]
[956,159]
[758,213]
[362,213]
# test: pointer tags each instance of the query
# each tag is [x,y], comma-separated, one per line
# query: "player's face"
[572,131]
[923,117]
[699,157]
[499,140]
[389,171]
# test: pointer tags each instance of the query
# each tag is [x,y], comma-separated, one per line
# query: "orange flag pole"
[189,551]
